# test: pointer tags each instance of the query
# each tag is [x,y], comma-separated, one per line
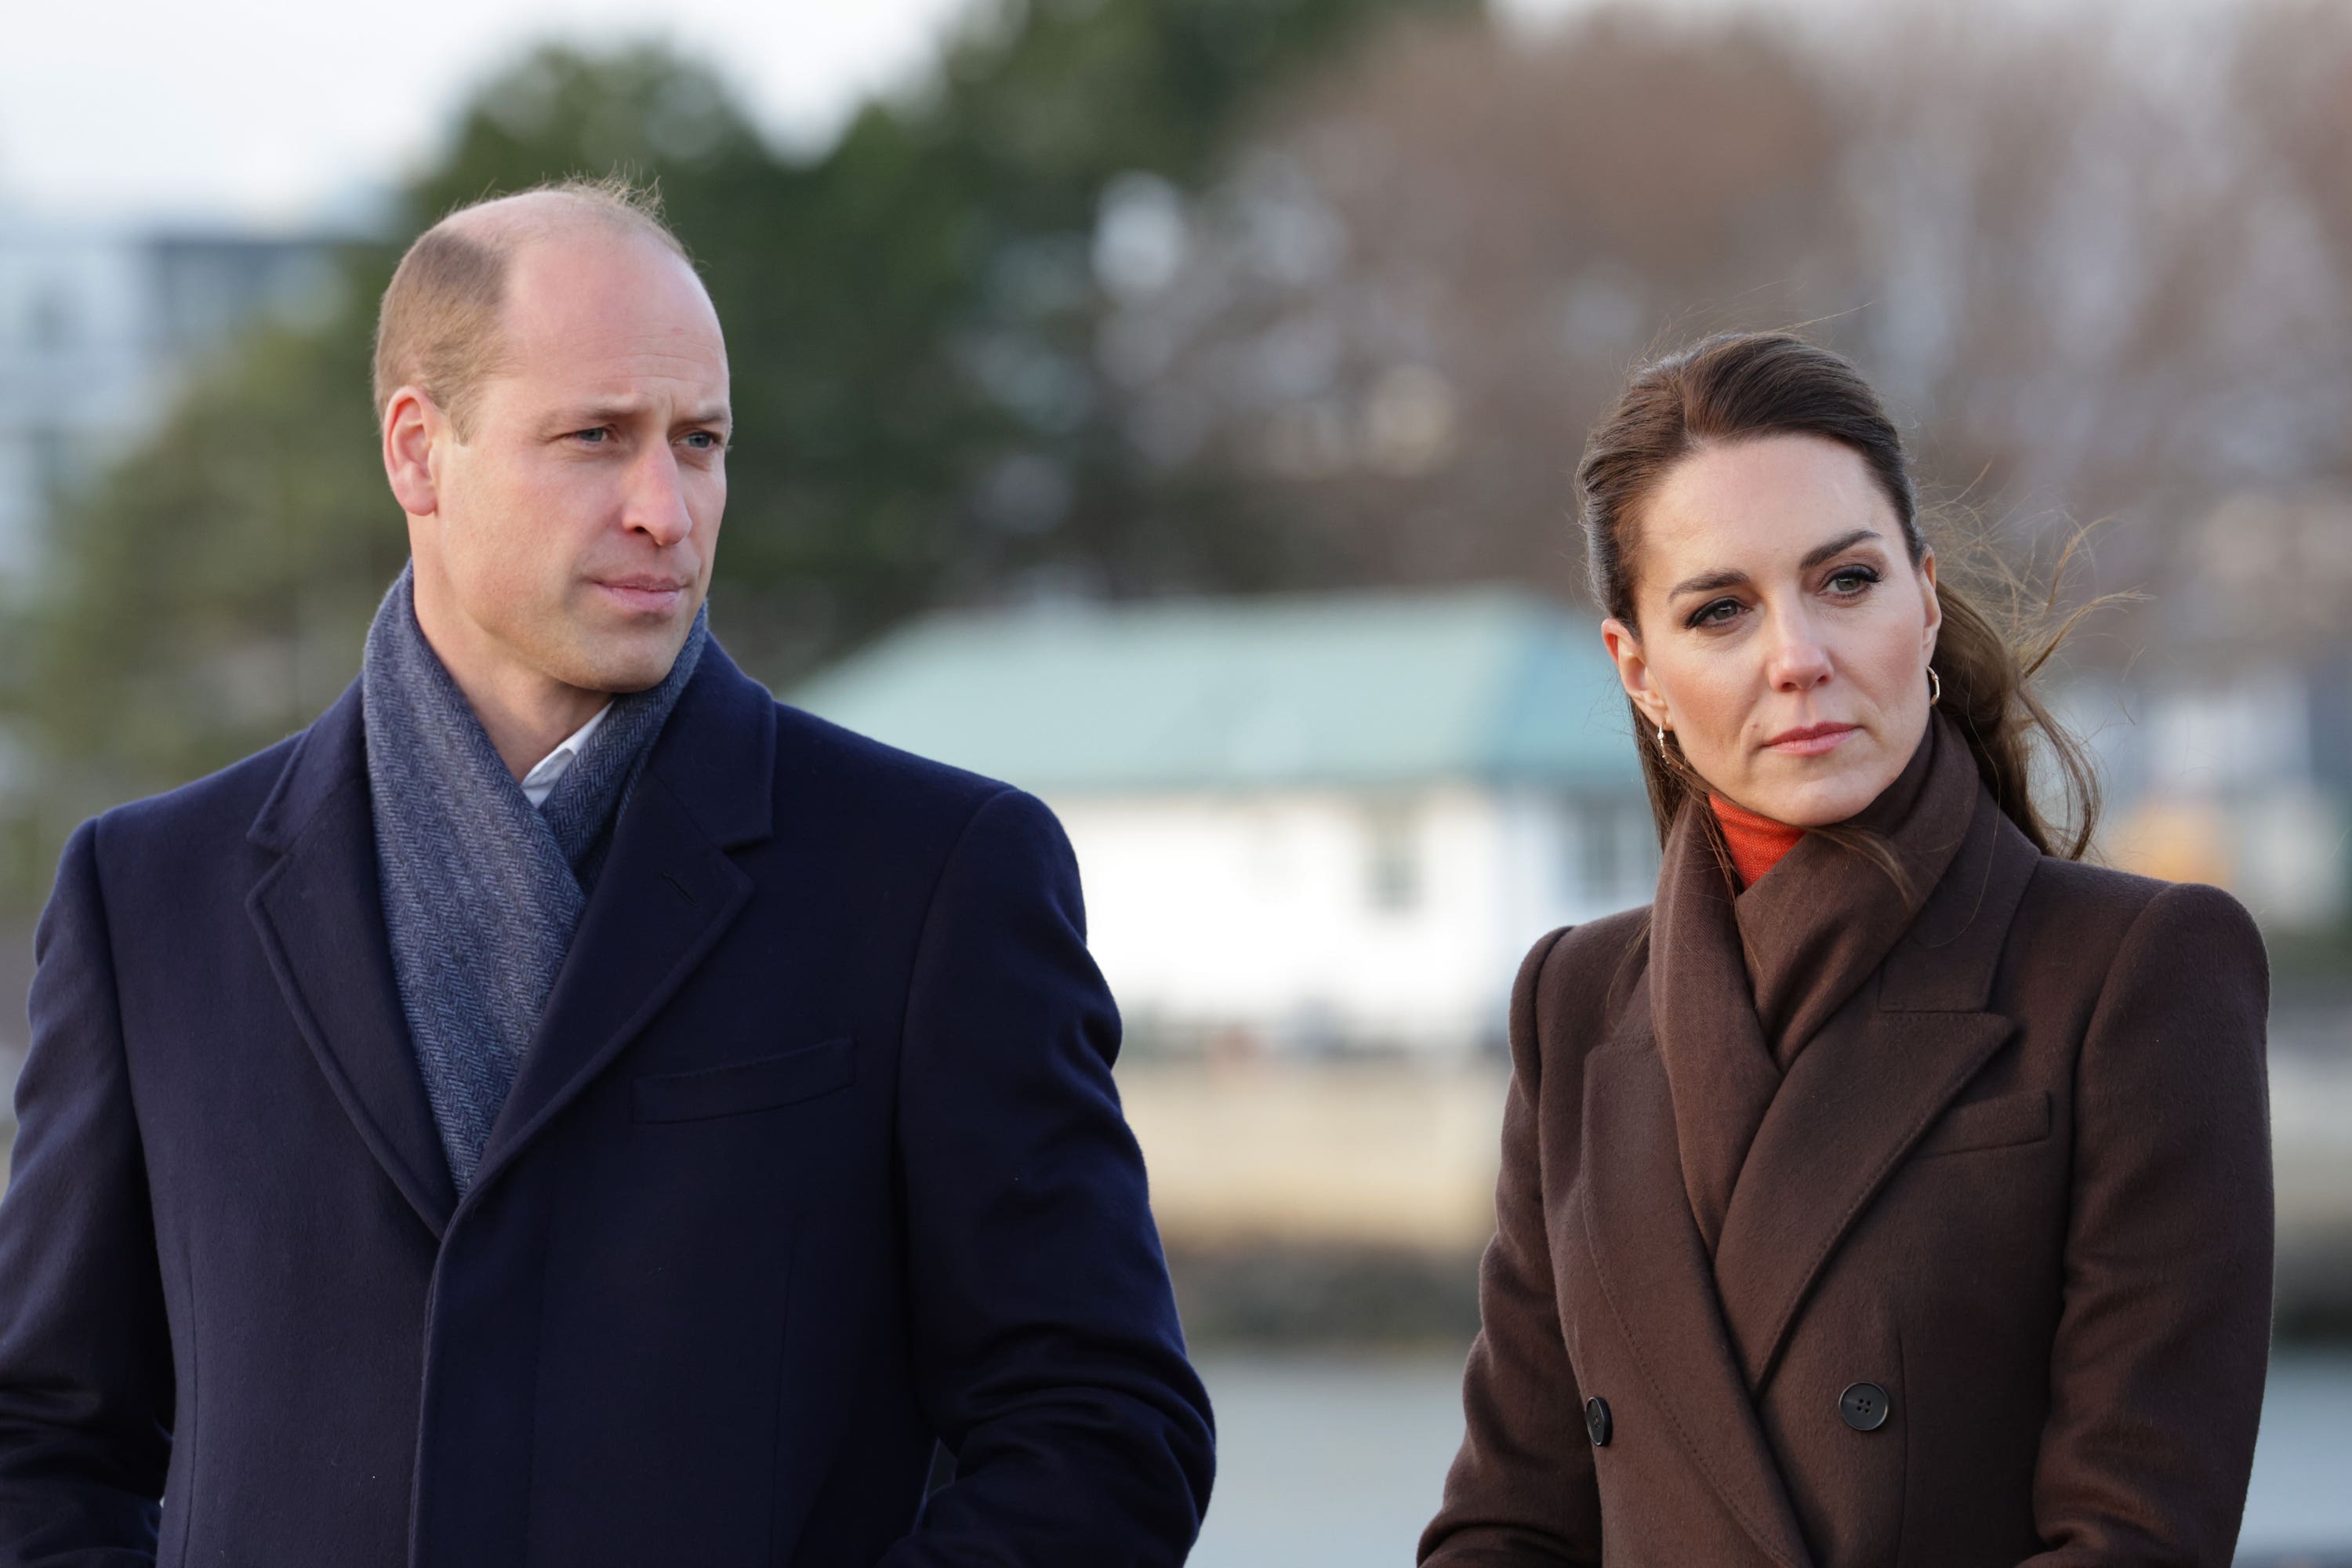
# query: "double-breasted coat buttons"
[1596,1421]
[1863,1405]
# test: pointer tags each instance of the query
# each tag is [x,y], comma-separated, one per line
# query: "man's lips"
[1811,739]
[642,590]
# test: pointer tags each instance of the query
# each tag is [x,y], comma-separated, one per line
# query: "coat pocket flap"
[1992,1123]
[762,1084]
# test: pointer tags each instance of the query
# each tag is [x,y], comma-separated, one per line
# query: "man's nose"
[657,498]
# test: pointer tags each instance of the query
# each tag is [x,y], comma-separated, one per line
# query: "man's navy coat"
[817,1158]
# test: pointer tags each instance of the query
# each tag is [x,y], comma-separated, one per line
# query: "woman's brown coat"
[2020,1180]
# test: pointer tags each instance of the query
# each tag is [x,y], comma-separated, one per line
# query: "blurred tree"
[2087,272]
[1408,298]
[910,319]
[1140,295]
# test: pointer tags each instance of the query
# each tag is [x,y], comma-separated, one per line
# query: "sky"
[278,113]
[273,113]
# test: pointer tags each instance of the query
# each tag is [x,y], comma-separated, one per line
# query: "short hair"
[438,326]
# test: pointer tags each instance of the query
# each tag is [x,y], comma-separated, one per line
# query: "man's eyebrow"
[581,417]
[1708,582]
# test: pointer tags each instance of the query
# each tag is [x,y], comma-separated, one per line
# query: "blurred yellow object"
[2176,840]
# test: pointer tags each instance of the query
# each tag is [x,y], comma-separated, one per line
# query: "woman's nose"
[1797,659]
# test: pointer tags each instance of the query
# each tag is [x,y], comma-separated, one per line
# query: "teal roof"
[1356,690]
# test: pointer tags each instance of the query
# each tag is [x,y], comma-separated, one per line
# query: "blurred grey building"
[98,327]
[2226,749]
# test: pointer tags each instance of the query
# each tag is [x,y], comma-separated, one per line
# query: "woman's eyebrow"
[1838,546]
[1731,577]
[1708,583]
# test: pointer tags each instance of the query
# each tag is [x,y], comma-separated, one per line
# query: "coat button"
[1596,1421]
[1863,1406]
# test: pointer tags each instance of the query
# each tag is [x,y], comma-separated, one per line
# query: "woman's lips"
[1811,740]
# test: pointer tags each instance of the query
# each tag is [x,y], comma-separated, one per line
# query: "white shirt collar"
[540,782]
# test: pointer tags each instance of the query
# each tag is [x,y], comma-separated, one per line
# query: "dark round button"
[1596,1421]
[1863,1406]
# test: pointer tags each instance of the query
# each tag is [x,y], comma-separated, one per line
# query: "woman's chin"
[1818,801]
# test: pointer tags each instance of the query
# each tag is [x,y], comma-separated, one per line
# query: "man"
[564,1107]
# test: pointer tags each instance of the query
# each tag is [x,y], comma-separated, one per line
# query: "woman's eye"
[1853,580]
[1715,614]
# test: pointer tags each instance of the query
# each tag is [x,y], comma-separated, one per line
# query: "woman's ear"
[1935,604]
[1633,669]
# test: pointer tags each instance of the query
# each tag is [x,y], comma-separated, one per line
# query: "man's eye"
[593,437]
[702,440]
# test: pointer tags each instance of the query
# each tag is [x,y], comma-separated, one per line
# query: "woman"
[1896,1189]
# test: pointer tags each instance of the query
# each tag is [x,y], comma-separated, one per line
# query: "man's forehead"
[608,284]
[609,320]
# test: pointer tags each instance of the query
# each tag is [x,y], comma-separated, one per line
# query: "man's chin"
[625,662]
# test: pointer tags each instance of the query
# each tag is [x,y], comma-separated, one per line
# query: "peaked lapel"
[320,917]
[1718,1065]
[667,890]
[1862,1093]
[1652,1269]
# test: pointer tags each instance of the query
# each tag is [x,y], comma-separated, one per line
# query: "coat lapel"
[321,922]
[668,889]
[1653,1272]
[1862,1094]
[1718,1065]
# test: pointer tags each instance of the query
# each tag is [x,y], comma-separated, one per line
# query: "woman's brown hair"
[1741,385]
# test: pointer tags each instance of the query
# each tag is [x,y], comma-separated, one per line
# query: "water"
[2301,1499]
[1327,1461]
[1336,1462]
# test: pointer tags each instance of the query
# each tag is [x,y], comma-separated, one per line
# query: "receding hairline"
[438,325]
[507,224]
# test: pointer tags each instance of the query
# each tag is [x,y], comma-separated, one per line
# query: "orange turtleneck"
[1757,843]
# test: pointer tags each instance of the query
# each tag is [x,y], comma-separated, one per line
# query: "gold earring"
[1935,687]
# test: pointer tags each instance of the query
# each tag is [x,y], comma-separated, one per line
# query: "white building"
[1303,823]
[97,328]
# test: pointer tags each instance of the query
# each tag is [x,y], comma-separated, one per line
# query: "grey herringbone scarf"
[481,892]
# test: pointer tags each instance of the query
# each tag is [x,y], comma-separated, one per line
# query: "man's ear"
[1633,669]
[412,427]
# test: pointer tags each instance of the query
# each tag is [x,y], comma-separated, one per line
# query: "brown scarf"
[1738,983]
